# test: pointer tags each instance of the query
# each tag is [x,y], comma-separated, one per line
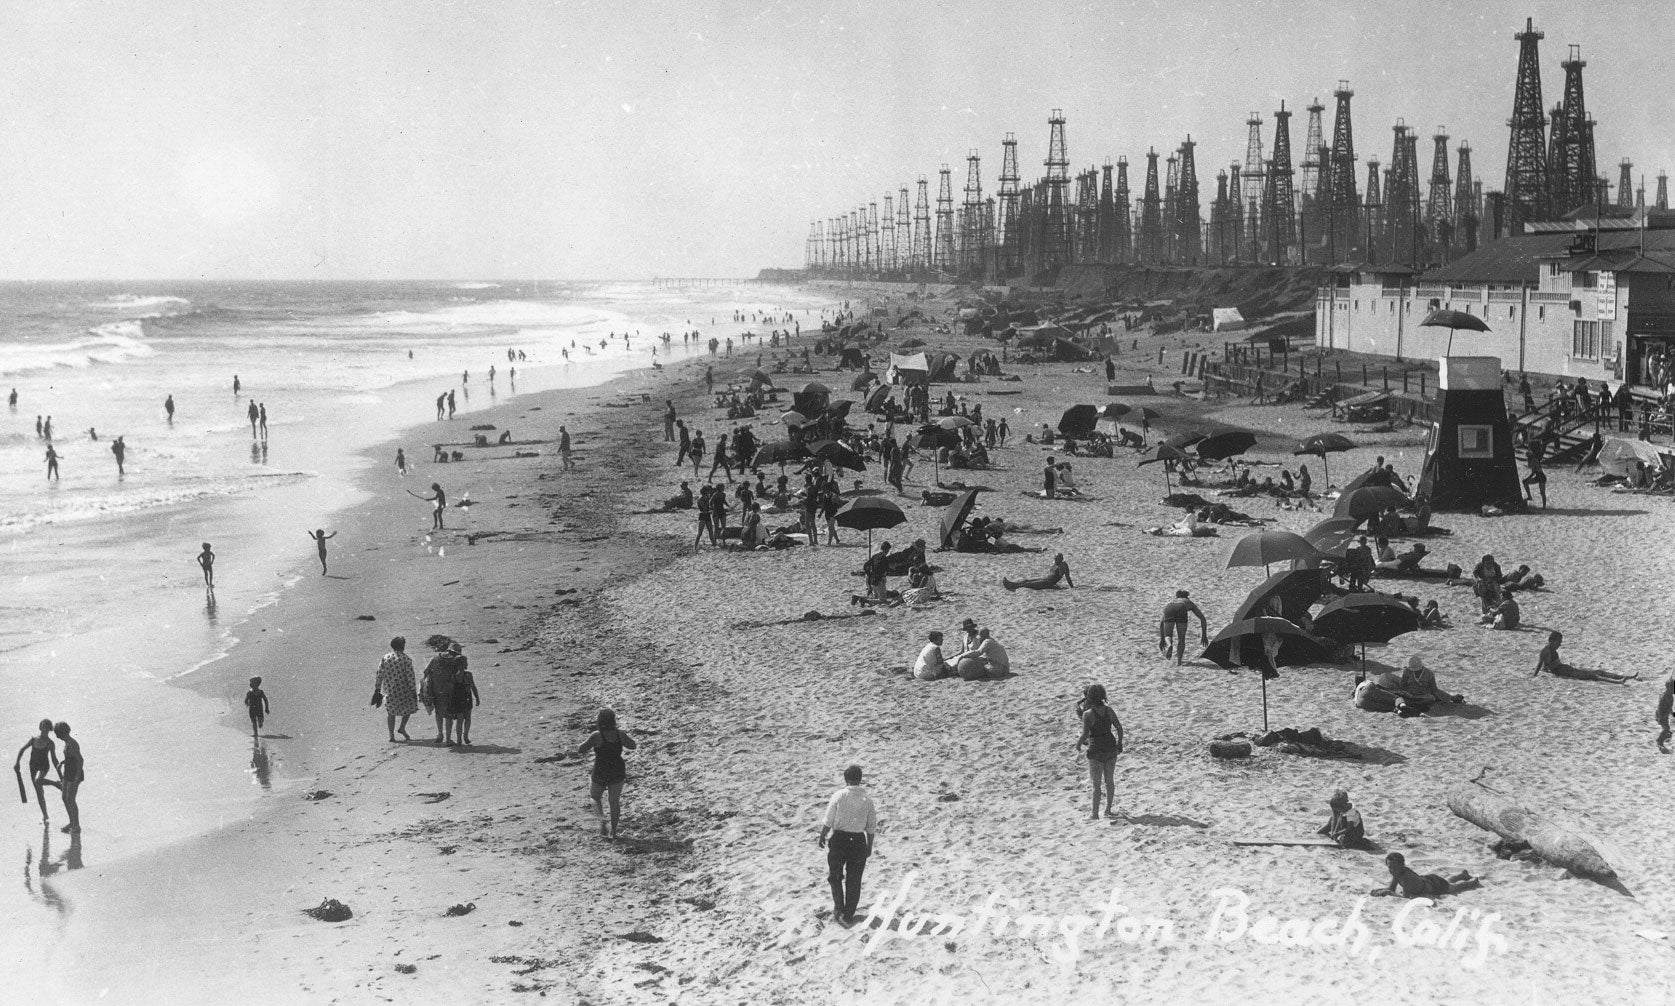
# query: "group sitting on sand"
[1409,692]
[981,656]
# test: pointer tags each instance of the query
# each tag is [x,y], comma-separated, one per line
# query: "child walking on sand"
[609,771]
[43,754]
[320,538]
[256,701]
[465,697]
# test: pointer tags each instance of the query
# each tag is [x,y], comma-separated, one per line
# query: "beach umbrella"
[760,376]
[1367,501]
[837,454]
[1332,535]
[1453,321]
[861,380]
[869,513]
[816,389]
[935,437]
[875,398]
[1078,421]
[1166,453]
[911,344]
[792,418]
[954,422]
[1150,414]
[1263,548]
[777,454]
[1617,457]
[1324,444]
[955,514]
[840,408]
[1181,441]
[1293,590]
[1365,618]
[1226,445]
[1264,643]
[1115,410]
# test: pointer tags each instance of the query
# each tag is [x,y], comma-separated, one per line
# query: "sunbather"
[1549,661]
[1417,885]
[1060,571]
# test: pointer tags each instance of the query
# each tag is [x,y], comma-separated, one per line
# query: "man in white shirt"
[850,823]
[931,663]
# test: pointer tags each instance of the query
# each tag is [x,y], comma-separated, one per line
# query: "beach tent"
[1226,319]
[1617,457]
[1065,351]
[1042,336]
[909,369]
[941,366]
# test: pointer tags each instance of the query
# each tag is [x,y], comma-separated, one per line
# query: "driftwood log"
[1550,840]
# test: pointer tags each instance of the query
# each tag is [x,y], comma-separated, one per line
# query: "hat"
[968,624]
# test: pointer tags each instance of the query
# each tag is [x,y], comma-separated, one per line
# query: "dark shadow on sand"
[1158,821]
[485,749]
[1586,512]
[1460,710]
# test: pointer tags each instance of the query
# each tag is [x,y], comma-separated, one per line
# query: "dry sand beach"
[568,596]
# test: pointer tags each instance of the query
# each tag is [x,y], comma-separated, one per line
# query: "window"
[1589,279]
[1511,311]
[1541,312]
[1477,441]
[1553,269]
[1586,339]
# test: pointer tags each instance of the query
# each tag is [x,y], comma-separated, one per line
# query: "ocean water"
[103,613]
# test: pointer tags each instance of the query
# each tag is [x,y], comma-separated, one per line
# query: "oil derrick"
[1084,221]
[973,233]
[1663,190]
[1055,239]
[1188,228]
[1235,214]
[1124,236]
[1029,212]
[944,256]
[1465,205]
[872,256]
[1253,183]
[1282,207]
[1570,163]
[1403,226]
[1312,155]
[1373,218]
[887,237]
[1107,250]
[1216,251]
[1150,247]
[1343,205]
[1625,184]
[922,227]
[831,243]
[1008,223]
[1526,173]
[904,231]
[1439,215]
[1559,195]
[1171,189]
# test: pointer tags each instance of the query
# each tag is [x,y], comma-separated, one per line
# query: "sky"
[502,139]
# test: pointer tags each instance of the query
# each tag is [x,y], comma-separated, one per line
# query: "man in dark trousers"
[850,821]
[1049,480]
[877,569]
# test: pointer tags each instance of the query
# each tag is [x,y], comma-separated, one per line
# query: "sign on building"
[1606,291]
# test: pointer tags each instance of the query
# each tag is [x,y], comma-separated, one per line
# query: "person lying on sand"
[1417,885]
[1549,661]
[1060,571]
[1189,527]
[1344,826]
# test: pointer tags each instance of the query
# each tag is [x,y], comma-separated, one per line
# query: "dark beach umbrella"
[1365,618]
[840,409]
[1115,410]
[1264,643]
[955,514]
[875,397]
[954,423]
[1078,421]
[816,389]
[777,454]
[1368,500]
[1151,415]
[869,513]
[838,454]
[1167,453]
[1293,590]
[1332,535]
[1226,445]
[935,437]
[1324,444]
[861,380]
[1264,548]
[1181,441]
[1454,321]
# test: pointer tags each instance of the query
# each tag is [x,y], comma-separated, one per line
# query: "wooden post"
[1363,373]
[1337,371]
[1404,382]
[1386,372]
[1422,375]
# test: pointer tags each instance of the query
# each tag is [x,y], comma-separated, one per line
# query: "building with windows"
[1591,296]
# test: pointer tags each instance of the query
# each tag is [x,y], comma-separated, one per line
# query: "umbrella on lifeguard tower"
[1454,321]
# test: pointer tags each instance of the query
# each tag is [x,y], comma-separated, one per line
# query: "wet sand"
[717,893]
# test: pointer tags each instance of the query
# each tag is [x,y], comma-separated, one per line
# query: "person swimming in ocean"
[320,538]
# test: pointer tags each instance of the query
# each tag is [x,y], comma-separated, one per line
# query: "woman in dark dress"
[607,744]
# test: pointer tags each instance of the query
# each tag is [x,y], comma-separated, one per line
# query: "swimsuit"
[1102,744]
[608,766]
